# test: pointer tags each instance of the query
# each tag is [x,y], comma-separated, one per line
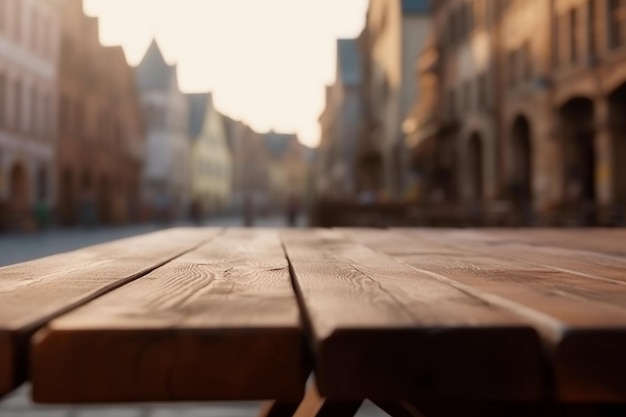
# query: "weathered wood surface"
[32,293]
[218,323]
[580,315]
[382,330]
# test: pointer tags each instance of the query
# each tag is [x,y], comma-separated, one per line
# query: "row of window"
[32,109]
[29,24]
[519,65]
[469,95]
[73,123]
[211,169]
[576,30]
[469,15]
[460,23]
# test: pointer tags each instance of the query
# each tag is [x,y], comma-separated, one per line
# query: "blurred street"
[20,247]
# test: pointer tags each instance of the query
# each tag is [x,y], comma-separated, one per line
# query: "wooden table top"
[246,314]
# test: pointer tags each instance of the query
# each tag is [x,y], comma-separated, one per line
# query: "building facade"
[166,187]
[340,125]
[534,117]
[251,178]
[210,158]
[29,52]
[287,170]
[394,35]
[101,137]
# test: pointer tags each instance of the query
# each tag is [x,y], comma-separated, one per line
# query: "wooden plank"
[523,246]
[34,292]
[384,331]
[581,319]
[218,323]
[601,241]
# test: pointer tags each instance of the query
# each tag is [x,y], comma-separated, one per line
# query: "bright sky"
[266,61]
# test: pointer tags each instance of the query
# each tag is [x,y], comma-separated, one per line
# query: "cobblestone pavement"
[18,248]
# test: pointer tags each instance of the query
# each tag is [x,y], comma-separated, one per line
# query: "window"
[451,104]
[45,36]
[527,63]
[17,16]
[3,99]
[79,119]
[512,68]
[34,111]
[574,35]
[481,91]
[46,117]
[470,16]
[467,96]
[617,23]
[17,117]
[65,113]
[591,28]
[35,25]
[561,36]
[3,13]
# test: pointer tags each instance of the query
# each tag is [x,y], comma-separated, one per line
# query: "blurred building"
[251,162]
[287,169]
[210,158]
[29,50]
[101,137]
[460,80]
[394,35]
[340,126]
[530,96]
[166,187]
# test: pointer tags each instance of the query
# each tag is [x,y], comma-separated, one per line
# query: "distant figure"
[366,197]
[196,212]
[293,209]
[88,215]
[248,211]
[161,206]
[42,214]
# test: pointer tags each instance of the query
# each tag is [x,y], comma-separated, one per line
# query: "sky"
[266,61]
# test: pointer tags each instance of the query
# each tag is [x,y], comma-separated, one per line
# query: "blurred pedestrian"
[248,211]
[293,209]
[196,212]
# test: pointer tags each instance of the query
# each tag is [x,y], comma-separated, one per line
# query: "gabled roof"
[349,61]
[415,6]
[309,154]
[198,105]
[153,71]
[278,143]
[229,128]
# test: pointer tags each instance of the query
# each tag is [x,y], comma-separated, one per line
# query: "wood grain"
[582,318]
[600,241]
[33,293]
[382,330]
[218,323]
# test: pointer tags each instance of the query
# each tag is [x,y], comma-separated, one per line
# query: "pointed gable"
[153,72]
[198,104]
[278,143]
[349,61]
